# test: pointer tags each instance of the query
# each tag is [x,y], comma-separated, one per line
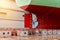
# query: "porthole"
[3,33]
[7,32]
[23,15]
[24,32]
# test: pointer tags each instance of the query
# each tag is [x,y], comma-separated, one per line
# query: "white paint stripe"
[11,24]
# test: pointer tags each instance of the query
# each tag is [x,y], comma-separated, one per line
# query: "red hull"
[48,17]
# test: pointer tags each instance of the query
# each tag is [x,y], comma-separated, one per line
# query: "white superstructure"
[12,19]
